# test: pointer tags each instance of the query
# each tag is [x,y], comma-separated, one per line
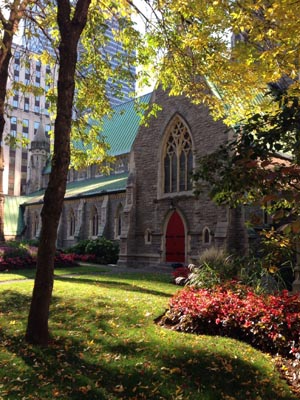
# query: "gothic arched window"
[118,221]
[72,223]
[206,237]
[148,236]
[178,159]
[94,222]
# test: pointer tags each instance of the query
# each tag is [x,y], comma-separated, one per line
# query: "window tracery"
[178,159]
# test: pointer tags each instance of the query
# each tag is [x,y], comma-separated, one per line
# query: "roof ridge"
[131,101]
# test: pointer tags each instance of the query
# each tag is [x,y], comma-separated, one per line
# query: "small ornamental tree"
[260,166]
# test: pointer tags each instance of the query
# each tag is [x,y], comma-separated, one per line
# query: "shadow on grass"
[64,370]
[103,363]
[97,270]
[113,284]
[25,273]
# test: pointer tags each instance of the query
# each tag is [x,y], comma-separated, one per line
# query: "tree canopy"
[260,164]
[225,53]
[100,68]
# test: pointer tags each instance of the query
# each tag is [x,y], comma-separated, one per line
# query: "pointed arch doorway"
[175,239]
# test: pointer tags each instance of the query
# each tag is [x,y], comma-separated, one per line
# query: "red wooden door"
[175,239]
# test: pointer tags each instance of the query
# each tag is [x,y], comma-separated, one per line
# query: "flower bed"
[23,257]
[268,322]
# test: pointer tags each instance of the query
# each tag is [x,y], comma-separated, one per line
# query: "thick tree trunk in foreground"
[70,30]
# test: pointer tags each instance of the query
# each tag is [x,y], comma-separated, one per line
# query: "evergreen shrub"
[102,250]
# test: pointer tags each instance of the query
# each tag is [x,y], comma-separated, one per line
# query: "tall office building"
[26,110]
[114,48]
[117,92]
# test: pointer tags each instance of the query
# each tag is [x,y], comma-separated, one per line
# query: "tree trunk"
[70,30]
[237,239]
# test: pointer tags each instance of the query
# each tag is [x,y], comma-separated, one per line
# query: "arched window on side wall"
[94,222]
[118,221]
[206,236]
[148,236]
[72,223]
[178,158]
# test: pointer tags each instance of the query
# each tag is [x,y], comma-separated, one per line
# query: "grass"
[30,273]
[106,346]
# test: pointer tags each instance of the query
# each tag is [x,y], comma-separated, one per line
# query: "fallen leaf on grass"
[85,389]
[175,371]
[119,388]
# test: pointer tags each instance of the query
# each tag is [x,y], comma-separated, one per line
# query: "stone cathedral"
[146,203]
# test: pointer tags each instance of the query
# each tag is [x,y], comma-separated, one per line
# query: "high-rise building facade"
[117,92]
[26,109]
[114,48]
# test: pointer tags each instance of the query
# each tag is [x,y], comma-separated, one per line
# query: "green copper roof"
[86,187]
[13,219]
[98,185]
[120,129]
[13,210]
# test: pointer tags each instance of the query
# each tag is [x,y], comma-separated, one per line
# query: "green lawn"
[106,346]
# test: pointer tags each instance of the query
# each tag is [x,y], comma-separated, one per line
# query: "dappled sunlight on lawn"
[107,346]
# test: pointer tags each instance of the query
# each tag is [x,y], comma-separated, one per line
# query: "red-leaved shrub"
[268,322]
[10,259]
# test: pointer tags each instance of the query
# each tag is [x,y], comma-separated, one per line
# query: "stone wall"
[83,209]
[152,208]
[145,208]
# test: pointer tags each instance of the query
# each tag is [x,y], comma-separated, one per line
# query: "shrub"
[101,250]
[79,248]
[105,251]
[215,266]
[218,260]
[85,257]
[203,276]
[31,242]
[64,260]
[17,255]
[268,322]
[264,278]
